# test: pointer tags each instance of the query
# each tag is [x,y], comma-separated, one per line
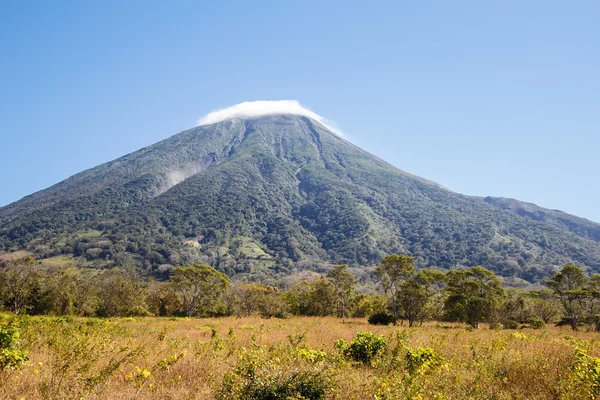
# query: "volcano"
[272,194]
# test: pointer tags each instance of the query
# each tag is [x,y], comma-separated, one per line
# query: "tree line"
[471,295]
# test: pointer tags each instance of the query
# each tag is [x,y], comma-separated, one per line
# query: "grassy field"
[153,358]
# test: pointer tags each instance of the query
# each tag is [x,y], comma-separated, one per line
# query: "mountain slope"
[560,219]
[269,195]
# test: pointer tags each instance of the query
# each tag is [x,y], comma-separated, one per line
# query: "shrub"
[83,356]
[410,383]
[522,336]
[422,359]
[283,315]
[312,356]
[587,370]
[536,323]
[310,385]
[270,375]
[511,324]
[364,348]
[11,357]
[381,319]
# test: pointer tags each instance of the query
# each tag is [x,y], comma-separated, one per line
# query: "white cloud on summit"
[251,109]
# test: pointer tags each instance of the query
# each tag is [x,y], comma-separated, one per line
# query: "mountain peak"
[261,108]
[264,189]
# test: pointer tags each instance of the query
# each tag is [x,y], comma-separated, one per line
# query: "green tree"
[511,308]
[200,287]
[365,305]
[542,304]
[270,303]
[120,294]
[255,298]
[68,291]
[19,283]
[420,295]
[392,273]
[311,298]
[473,294]
[590,301]
[244,298]
[569,285]
[343,282]
[435,285]
[412,299]
[162,301]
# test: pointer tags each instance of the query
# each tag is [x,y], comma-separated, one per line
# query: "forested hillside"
[274,195]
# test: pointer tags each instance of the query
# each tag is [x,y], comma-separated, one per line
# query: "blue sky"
[496,98]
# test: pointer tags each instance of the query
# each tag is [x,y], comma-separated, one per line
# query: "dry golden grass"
[16,255]
[155,358]
[58,261]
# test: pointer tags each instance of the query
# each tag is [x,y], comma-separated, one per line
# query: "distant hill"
[278,194]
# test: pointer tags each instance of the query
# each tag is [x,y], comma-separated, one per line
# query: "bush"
[364,348]
[283,315]
[381,319]
[422,359]
[312,356]
[536,323]
[511,324]
[310,385]
[587,370]
[274,374]
[11,357]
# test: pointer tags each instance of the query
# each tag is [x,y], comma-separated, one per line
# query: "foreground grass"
[154,358]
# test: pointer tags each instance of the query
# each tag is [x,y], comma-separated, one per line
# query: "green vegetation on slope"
[271,196]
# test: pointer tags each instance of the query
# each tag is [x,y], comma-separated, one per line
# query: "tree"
[244,300]
[511,310]
[434,282]
[412,299]
[270,303]
[119,294]
[311,298]
[62,294]
[252,298]
[590,301]
[542,304]
[365,305]
[200,287]
[19,281]
[162,301]
[569,284]
[392,273]
[420,295]
[343,282]
[472,294]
